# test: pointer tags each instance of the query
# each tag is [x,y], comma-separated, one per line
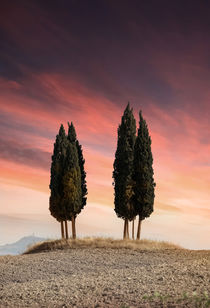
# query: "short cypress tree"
[144,184]
[123,168]
[73,140]
[56,206]
[67,184]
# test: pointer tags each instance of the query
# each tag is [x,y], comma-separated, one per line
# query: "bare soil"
[106,277]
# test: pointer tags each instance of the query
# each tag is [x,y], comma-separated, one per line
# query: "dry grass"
[90,242]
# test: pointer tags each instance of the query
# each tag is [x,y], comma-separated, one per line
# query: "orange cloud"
[179,142]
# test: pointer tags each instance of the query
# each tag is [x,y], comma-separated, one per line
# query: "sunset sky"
[82,61]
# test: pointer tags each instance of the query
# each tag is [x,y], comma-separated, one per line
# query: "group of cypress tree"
[68,180]
[133,175]
[133,172]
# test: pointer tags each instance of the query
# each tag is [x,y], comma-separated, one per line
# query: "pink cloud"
[180,154]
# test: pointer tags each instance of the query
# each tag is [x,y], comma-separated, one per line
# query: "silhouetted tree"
[72,192]
[143,174]
[73,140]
[83,174]
[123,169]
[68,180]
[57,207]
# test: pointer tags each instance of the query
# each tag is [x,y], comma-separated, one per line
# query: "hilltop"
[99,242]
[117,276]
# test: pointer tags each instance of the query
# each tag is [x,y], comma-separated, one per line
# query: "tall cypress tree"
[72,194]
[123,168]
[143,174]
[56,206]
[83,174]
[73,140]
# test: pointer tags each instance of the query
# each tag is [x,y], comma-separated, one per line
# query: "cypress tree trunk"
[124,231]
[62,230]
[139,229]
[127,229]
[66,227]
[73,227]
[133,229]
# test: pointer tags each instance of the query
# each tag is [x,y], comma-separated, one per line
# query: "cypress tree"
[73,140]
[68,186]
[83,174]
[56,205]
[123,169]
[143,174]
[72,194]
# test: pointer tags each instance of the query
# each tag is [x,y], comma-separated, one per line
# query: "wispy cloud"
[56,67]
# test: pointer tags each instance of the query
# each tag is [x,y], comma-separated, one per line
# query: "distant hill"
[19,246]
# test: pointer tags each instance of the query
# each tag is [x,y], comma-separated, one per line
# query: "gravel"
[106,278]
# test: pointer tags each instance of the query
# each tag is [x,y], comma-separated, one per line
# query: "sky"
[82,61]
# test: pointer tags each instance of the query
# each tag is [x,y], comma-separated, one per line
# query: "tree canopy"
[72,137]
[123,166]
[68,179]
[57,207]
[143,172]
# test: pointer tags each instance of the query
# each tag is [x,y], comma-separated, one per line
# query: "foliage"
[57,207]
[143,172]
[67,184]
[72,183]
[83,174]
[73,139]
[123,166]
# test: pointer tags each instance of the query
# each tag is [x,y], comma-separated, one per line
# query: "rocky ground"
[106,278]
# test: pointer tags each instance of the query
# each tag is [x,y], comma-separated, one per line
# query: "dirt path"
[106,278]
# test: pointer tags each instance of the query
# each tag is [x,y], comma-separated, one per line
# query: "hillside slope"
[106,277]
